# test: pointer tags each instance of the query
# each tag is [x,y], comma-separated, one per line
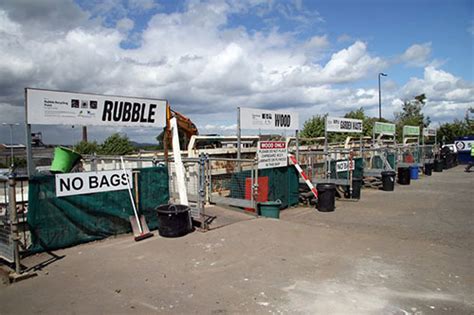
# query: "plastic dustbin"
[270,209]
[326,197]
[438,166]
[388,180]
[428,169]
[404,175]
[414,172]
[174,220]
[64,160]
[356,188]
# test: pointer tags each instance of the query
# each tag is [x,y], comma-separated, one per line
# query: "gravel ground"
[404,252]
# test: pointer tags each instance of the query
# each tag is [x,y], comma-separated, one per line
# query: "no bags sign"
[71,184]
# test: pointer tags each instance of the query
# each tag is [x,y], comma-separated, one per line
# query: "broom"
[139,226]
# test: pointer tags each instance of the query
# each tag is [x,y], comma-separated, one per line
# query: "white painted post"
[178,163]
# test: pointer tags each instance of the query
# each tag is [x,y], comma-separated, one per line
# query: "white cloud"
[45,15]
[448,96]
[344,38]
[125,24]
[204,67]
[417,55]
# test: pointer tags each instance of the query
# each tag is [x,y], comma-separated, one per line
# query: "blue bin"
[414,172]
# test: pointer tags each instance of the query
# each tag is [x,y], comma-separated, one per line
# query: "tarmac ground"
[404,252]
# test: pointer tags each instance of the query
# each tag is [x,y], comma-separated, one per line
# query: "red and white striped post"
[303,174]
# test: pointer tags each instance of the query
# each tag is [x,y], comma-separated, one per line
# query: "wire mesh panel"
[232,182]
[377,160]
[6,244]
[313,164]
[192,172]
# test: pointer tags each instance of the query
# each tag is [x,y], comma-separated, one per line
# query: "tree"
[447,132]
[314,127]
[84,147]
[368,122]
[411,115]
[116,145]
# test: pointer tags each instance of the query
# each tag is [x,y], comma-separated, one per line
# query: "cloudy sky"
[209,57]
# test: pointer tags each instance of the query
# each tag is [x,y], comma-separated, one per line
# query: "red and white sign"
[272,154]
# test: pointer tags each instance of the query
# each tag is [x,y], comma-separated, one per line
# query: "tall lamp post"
[380,96]
[11,142]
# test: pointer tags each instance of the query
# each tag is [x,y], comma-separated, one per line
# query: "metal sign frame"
[374,133]
[327,167]
[239,130]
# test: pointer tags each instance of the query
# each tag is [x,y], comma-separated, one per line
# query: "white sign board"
[384,128]
[344,166]
[336,124]
[252,118]
[464,145]
[91,182]
[272,154]
[45,107]
[411,131]
[429,132]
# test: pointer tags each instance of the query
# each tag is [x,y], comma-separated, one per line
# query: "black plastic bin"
[438,166]
[428,169]
[356,188]
[404,175]
[326,197]
[174,220]
[388,180]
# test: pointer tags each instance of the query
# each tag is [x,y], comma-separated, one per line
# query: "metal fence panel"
[6,243]
[232,182]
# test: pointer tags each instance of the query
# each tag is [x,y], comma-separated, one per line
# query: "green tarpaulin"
[60,222]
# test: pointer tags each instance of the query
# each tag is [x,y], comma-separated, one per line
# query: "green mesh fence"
[377,161]
[60,222]
[283,184]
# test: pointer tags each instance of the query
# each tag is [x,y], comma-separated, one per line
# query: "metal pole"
[380,102]
[326,148]
[239,135]
[14,220]
[380,96]
[29,150]
[11,147]
[202,190]
[84,133]
[297,145]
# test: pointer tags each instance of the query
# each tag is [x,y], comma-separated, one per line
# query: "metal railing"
[232,182]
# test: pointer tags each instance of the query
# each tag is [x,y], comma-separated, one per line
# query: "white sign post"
[336,124]
[272,154]
[47,107]
[339,124]
[71,184]
[252,118]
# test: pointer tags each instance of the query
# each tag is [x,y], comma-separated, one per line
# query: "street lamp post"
[11,142]
[380,96]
